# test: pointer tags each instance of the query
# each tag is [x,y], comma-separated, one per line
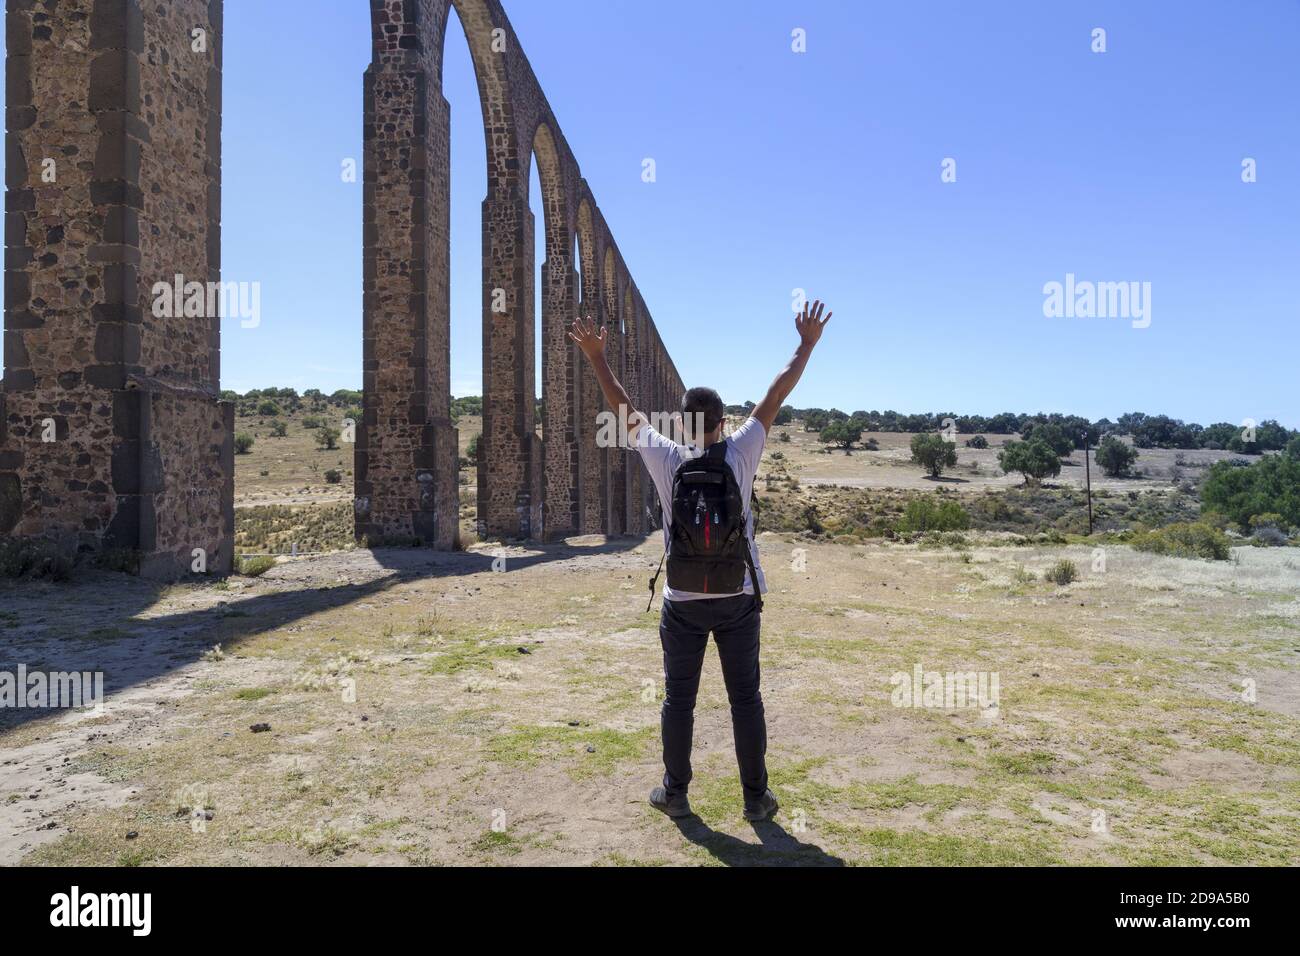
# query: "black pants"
[684,628]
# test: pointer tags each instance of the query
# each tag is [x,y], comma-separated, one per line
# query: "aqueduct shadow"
[154,646]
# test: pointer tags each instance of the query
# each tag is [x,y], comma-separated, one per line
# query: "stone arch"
[150,465]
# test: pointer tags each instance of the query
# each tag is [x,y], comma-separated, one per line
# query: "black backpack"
[707,548]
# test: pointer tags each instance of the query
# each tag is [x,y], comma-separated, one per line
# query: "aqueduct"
[112,430]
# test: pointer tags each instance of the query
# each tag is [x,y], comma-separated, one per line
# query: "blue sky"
[821,171]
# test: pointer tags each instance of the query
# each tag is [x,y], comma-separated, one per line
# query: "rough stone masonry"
[112,431]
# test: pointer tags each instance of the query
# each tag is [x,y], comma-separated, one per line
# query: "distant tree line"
[1147,431]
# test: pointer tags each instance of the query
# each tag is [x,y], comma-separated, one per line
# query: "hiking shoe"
[675,807]
[762,810]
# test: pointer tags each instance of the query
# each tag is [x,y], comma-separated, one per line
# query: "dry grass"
[512,717]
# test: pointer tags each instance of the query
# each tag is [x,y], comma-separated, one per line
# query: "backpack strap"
[654,579]
[753,576]
[718,452]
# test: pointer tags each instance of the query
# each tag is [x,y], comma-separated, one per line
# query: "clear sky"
[821,170]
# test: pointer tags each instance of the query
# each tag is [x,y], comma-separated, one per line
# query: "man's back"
[663,456]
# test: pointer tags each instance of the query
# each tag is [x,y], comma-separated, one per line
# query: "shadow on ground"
[99,621]
[776,847]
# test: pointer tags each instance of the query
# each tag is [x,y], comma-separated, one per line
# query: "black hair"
[706,402]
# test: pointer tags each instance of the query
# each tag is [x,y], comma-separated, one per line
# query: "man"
[730,612]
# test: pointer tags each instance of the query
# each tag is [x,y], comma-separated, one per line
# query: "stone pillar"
[406,447]
[631,460]
[509,487]
[616,455]
[590,402]
[112,435]
[559,429]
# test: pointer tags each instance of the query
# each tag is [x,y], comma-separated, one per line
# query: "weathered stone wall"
[565,483]
[113,433]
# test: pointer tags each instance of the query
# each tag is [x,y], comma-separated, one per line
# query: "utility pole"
[1087,468]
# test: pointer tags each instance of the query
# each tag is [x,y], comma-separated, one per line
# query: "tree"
[841,434]
[328,437]
[243,442]
[1269,486]
[930,451]
[784,415]
[1034,459]
[979,441]
[814,419]
[1050,433]
[1115,457]
[268,408]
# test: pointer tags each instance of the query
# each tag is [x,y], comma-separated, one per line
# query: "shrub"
[21,557]
[471,450]
[243,442]
[1062,572]
[328,437]
[979,441]
[1115,457]
[1196,539]
[811,519]
[312,421]
[931,452]
[930,513]
[353,412]
[1269,486]
[333,476]
[256,566]
[1267,530]
[841,434]
[125,560]
[1034,459]
[279,429]
[268,408]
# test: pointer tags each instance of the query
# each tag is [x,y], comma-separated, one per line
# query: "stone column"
[405,456]
[590,402]
[509,465]
[559,429]
[112,435]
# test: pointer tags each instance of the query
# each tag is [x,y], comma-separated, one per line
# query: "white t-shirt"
[662,456]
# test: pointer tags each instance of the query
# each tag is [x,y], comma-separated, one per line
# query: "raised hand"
[589,338]
[809,323]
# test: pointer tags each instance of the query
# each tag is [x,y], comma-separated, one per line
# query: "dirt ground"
[452,708]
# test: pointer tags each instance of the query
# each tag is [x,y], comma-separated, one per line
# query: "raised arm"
[592,342]
[809,325]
